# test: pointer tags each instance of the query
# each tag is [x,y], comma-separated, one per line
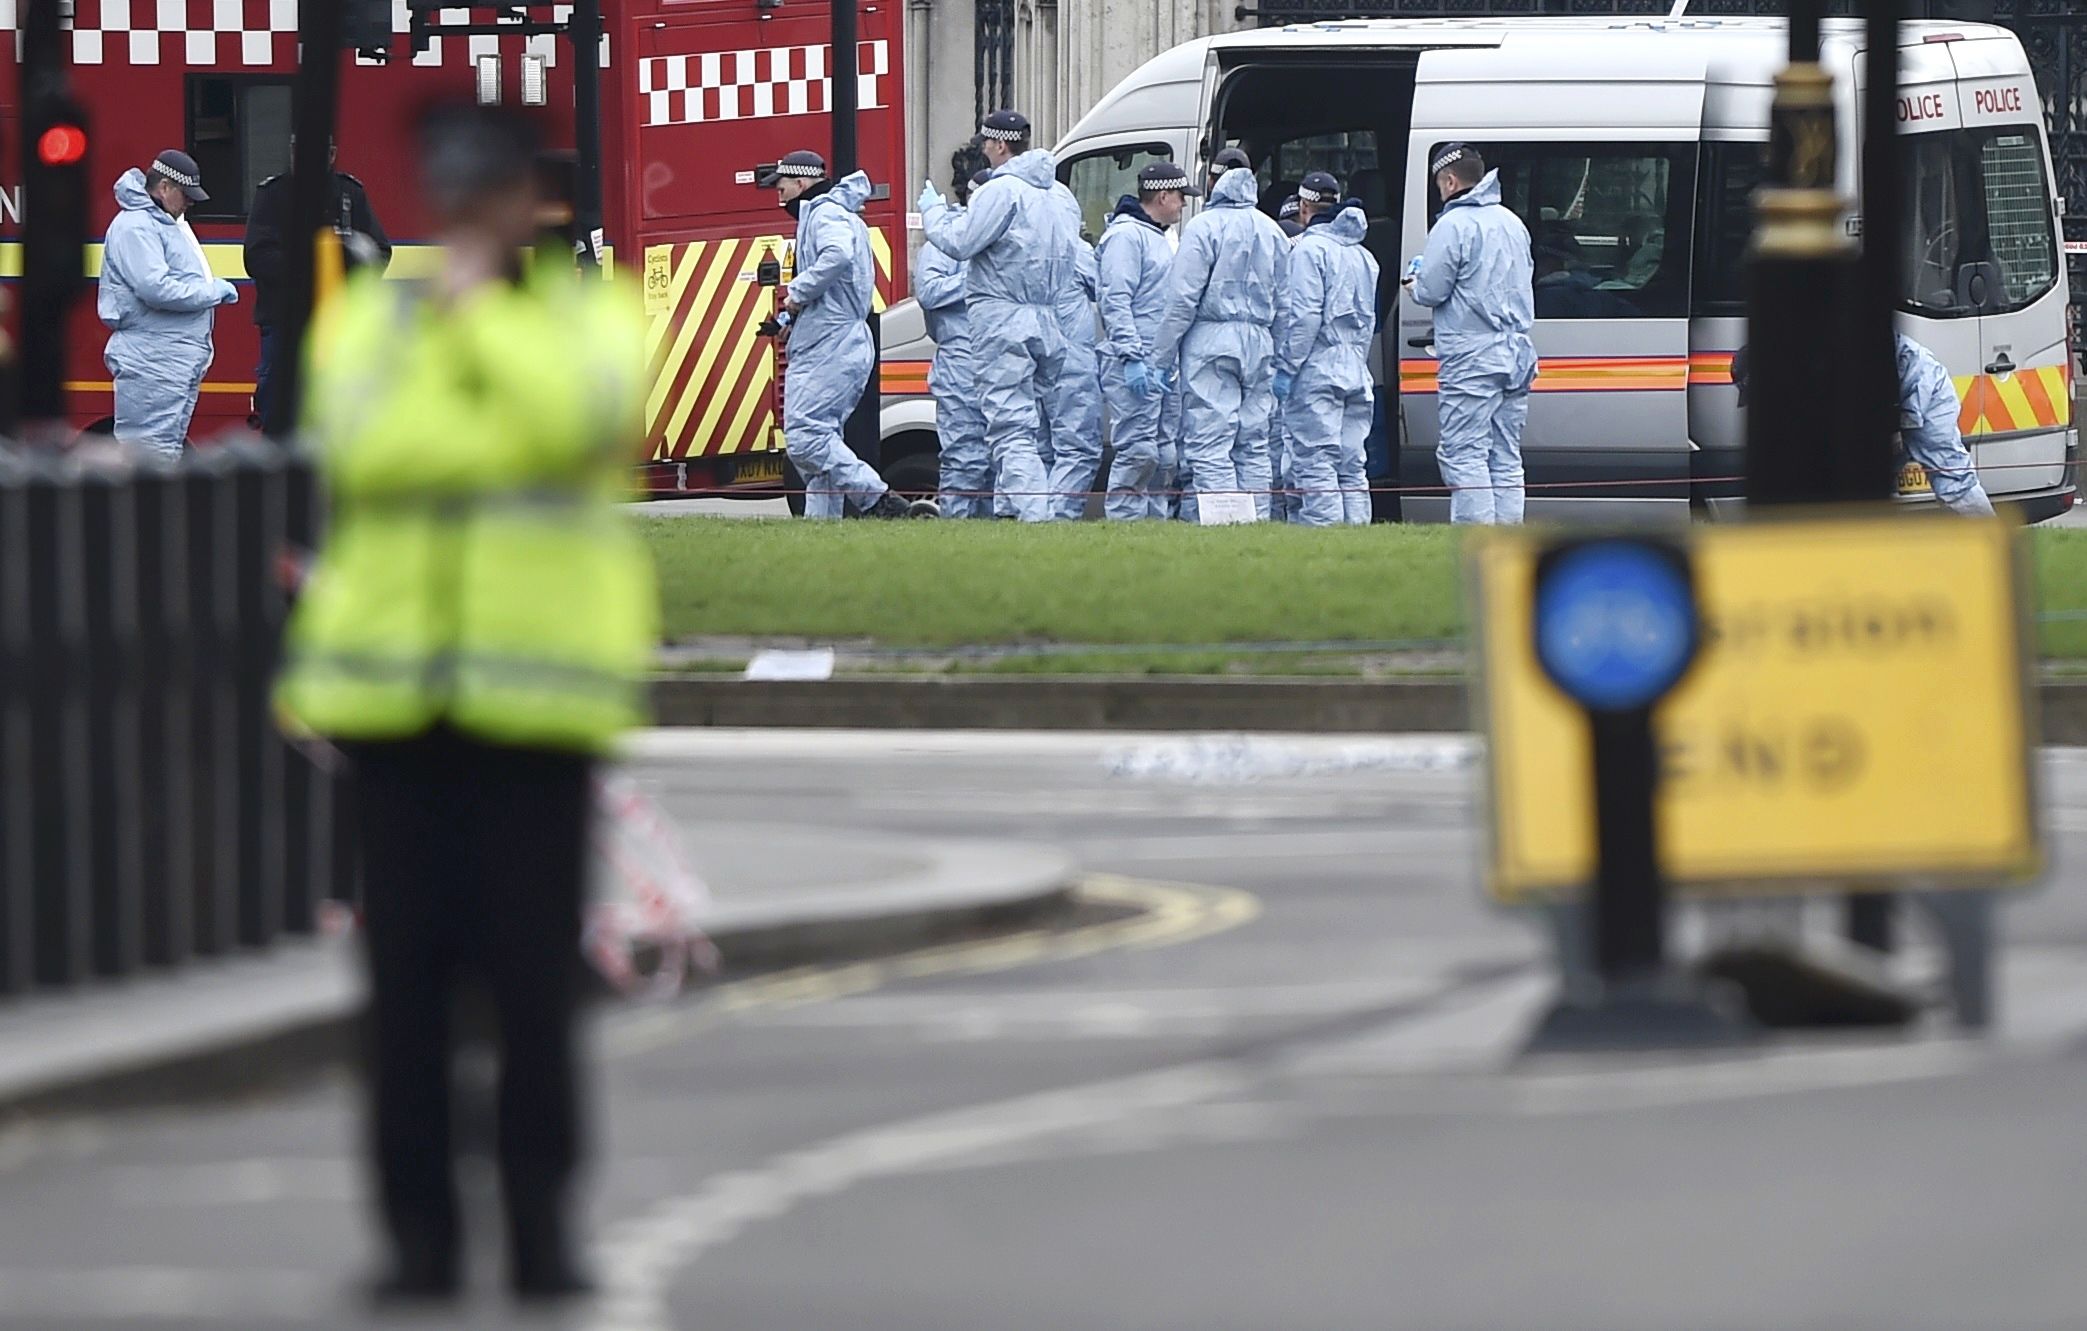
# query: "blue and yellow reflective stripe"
[227,259]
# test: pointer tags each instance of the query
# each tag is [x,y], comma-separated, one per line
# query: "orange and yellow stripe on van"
[1578,374]
[1709,369]
[2038,399]
[903,378]
[711,377]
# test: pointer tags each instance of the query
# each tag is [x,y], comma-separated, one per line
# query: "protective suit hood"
[132,198]
[852,191]
[1236,188]
[1035,168]
[1486,191]
[1348,226]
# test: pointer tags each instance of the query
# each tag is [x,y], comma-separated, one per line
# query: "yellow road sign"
[1859,713]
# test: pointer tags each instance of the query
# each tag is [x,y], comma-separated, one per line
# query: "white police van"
[1631,149]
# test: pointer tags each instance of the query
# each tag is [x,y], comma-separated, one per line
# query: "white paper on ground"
[1225,510]
[775,664]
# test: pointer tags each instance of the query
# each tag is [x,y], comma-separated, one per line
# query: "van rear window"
[1610,223]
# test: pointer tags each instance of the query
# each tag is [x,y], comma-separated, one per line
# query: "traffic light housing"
[56,147]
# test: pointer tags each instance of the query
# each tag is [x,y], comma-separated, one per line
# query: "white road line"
[245,1182]
[1281,844]
[643,1257]
[112,1295]
[674,743]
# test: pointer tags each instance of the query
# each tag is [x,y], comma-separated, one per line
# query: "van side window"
[1725,226]
[1978,206]
[1098,179]
[1611,224]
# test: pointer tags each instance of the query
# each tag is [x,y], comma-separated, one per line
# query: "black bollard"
[17,775]
[1616,627]
[305,797]
[109,616]
[259,527]
[60,813]
[205,481]
[166,790]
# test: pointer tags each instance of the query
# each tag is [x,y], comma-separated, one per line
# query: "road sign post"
[1615,628]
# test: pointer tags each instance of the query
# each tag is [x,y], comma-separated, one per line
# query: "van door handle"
[1421,343]
[2001,366]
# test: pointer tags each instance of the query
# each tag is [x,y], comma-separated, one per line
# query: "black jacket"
[267,262]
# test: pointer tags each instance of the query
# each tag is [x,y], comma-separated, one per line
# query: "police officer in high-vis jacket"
[474,635]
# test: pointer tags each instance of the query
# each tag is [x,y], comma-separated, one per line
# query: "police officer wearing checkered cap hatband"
[1323,387]
[159,300]
[967,488]
[1023,253]
[364,244]
[1223,293]
[1134,257]
[1478,275]
[831,355]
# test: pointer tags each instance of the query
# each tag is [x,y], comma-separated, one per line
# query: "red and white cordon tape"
[648,903]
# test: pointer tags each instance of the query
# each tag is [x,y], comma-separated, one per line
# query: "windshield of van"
[1978,206]
[1099,179]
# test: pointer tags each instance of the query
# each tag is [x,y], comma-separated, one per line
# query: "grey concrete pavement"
[778,892]
[1306,1117]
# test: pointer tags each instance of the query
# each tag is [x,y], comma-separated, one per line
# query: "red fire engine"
[694,95]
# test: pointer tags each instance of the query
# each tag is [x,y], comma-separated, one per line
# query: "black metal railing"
[150,813]
[993,56]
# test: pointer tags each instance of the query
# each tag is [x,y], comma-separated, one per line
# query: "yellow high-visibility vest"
[478,570]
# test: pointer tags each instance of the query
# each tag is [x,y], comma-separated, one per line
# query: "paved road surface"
[1279,1099]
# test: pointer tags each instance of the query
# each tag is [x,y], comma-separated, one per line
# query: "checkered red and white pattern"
[478,44]
[203,34]
[753,85]
[184,32]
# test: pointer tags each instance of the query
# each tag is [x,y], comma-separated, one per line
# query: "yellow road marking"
[1168,913]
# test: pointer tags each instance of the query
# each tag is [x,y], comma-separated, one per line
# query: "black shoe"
[889,505]
[542,1265]
[552,1278]
[416,1285]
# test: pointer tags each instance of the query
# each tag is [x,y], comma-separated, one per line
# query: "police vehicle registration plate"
[1913,480]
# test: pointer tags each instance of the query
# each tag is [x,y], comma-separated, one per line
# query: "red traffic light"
[62,145]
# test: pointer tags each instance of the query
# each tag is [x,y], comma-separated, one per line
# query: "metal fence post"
[259,525]
[305,785]
[57,725]
[18,776]
[205,481]
[108,563]
[165,729]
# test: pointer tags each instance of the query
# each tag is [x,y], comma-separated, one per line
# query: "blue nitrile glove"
[1284,381]
[227,294]
[931,198]
[1137,376]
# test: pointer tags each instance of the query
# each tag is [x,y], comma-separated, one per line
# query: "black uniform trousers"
[474,860]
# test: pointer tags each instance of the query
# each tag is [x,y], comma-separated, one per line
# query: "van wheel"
[793,488]
[915,466]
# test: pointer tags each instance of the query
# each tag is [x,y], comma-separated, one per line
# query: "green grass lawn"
[1390,591]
